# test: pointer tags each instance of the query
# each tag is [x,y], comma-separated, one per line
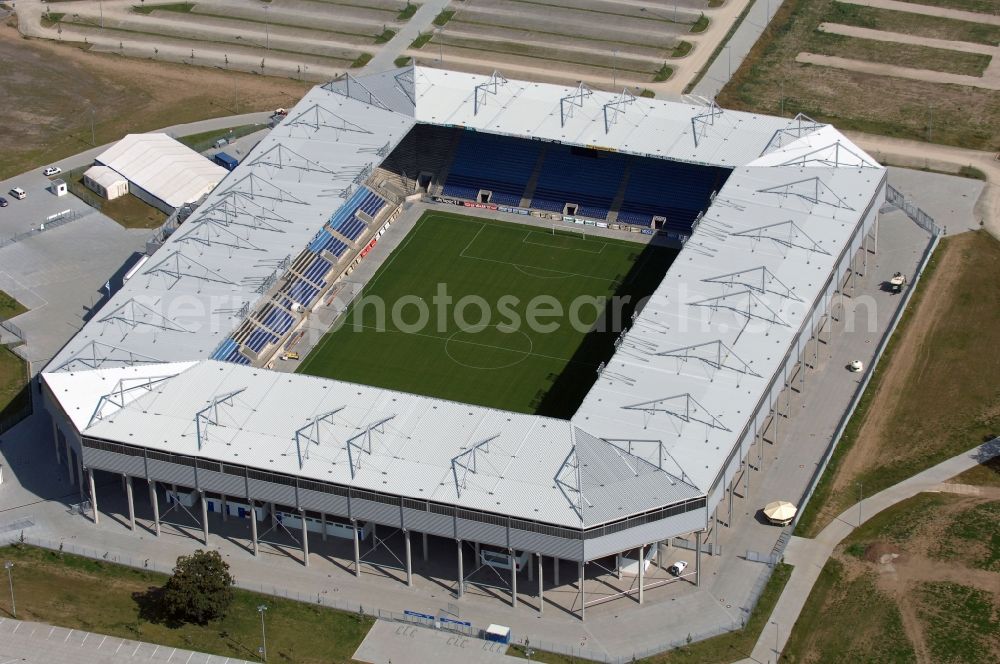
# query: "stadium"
[518,455]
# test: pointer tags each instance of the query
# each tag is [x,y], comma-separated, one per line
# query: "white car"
[51,170]
[677,567]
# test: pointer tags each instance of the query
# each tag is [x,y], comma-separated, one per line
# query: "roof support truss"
[312,434]
[467,462]
[490,86]
[361,443]
[616,107]
[209,415]
[573,100]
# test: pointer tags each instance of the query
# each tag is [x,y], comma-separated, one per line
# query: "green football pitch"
[468,309]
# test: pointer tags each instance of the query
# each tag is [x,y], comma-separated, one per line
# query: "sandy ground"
[990,79]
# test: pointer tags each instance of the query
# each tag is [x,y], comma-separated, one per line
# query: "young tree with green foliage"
[201,588]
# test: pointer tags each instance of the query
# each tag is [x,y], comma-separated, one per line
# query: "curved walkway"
[810,555]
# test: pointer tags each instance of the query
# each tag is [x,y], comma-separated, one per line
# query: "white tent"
[780,512]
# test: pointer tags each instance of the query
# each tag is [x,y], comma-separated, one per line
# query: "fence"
[15,330]
[47,225]
[863,385]
[895,197]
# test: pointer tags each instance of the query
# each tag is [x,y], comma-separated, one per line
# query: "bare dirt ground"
[53,91]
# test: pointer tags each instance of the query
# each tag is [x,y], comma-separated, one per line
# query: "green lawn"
[518,274]
[960,623]
[848,619]
[9,307]
[80,593]
[206,140]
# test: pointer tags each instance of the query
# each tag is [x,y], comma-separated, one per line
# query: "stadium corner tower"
[167,384]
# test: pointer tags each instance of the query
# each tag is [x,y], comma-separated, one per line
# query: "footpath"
[810,555]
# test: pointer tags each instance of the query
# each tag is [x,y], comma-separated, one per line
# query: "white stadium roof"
[167,169]
[678,392]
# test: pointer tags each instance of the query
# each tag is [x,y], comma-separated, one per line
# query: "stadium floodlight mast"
[10,579]
[262,609]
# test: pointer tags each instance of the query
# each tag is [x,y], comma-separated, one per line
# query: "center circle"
[465,349]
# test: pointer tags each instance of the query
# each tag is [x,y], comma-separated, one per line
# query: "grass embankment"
[79,593]
[770,79]
[408,338]
[9,307]
[206,140]
[848,619]
[909,581]
[937,398]
[180,7]
[128,210]
[716,650]
[14,395]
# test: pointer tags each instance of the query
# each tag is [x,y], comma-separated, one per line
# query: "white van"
[18,193]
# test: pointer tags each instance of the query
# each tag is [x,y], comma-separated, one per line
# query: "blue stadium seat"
[669,189]
[499,164]
[589,178]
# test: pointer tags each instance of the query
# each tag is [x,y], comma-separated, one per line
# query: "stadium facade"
[167,383]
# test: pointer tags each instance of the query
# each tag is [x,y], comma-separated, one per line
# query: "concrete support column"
[426,556]
[715,532]
[204,518]
[274,515]
[131,503]
[618,566]
[875,248]
[154,498]
[69,467]
[477,562]
[253,529]
[93,496]
[461,572]
[531,568]
[659,555]
[77,466]
[729,518]
[541,585]
[746,477]
[697,558]
[512,555]
[642,570]
[322,520]
[409,566]
[555,570]
[357,548]
[305,538]
[55,442]
[225,509]
[583,595]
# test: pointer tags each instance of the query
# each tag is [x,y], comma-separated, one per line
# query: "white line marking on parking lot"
[102,642]
[67,636]
[85,635]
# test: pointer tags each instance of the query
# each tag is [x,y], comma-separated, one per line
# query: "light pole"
[437,33]
[777,649]
[861,497]
[729,55]
[261,609]
[10,579]
[614,67]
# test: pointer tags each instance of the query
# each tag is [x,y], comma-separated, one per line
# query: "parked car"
[677,567]
[52,170]
[18,193]
[3,202]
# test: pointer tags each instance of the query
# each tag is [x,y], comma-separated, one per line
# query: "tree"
[201,588]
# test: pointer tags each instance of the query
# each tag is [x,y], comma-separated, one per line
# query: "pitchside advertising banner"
[482,206]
